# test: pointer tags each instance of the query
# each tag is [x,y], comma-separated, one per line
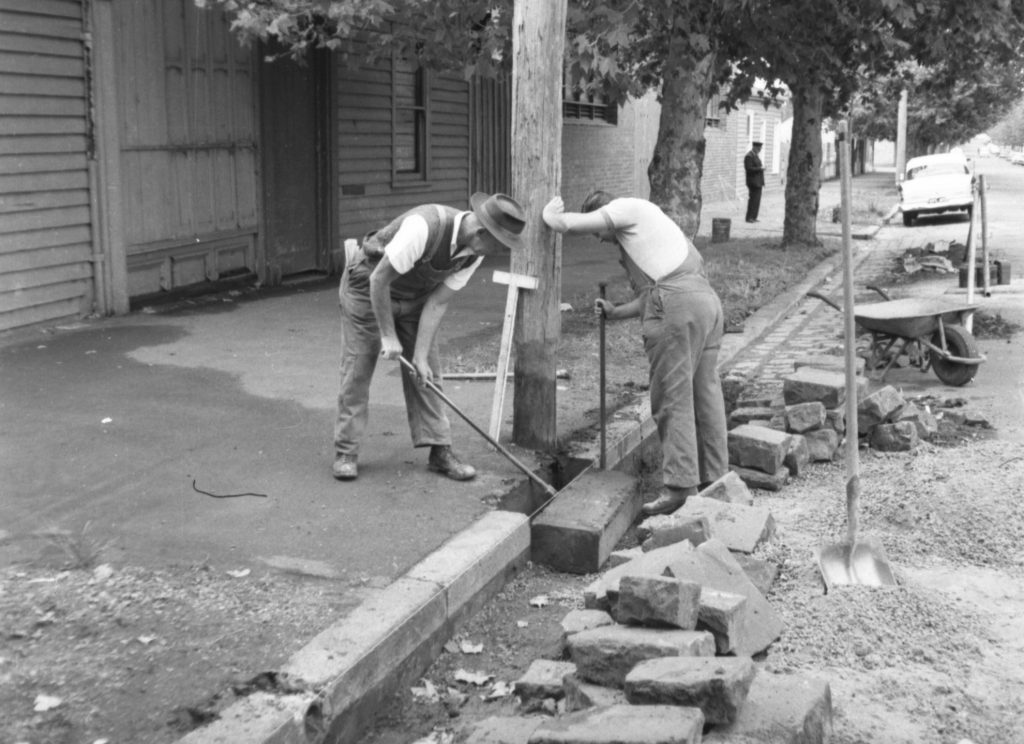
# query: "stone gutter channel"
[331,689]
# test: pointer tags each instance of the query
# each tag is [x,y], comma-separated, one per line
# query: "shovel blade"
[862,563]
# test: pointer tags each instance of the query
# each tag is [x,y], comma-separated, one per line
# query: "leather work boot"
[344,467]
[443,460]
[668,500]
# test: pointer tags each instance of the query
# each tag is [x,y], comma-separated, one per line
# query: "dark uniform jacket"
[755,170]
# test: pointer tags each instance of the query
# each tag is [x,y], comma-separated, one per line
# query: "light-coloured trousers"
[360,350]
[682,328]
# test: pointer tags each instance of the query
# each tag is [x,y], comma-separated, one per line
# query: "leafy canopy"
[469,35]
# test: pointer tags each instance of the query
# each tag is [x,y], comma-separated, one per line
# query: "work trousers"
[753,202]
[682,329]
[360,350]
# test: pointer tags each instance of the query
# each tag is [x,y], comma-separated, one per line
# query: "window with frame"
[583,105]
[410,121]
[713,113]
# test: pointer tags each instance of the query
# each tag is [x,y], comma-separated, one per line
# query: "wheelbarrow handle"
[826,300]
[548,488]
[885,295]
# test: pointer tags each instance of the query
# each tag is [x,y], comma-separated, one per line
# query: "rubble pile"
[807,423]
[666,649]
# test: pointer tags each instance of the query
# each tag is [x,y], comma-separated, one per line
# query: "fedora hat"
[502,216]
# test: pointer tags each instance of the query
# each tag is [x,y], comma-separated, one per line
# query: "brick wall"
[718,182]
[598,156]
[615,158]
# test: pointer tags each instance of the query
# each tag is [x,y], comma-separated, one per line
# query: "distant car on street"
[1017,158]
[934,184]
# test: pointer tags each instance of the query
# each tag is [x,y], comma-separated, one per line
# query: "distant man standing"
[755,180]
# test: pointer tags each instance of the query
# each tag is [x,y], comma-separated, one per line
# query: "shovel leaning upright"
[602,383]
[856,560]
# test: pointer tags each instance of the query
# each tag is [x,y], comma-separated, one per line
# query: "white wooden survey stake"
[515,282]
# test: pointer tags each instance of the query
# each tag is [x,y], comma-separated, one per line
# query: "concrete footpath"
[117,422]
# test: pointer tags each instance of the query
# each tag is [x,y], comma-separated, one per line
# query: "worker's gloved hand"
[390,348]
[603,308]
[423,370]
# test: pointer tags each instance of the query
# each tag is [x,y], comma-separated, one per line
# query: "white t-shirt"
[647,234]
[410,242]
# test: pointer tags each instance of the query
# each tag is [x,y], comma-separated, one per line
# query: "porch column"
[105,162]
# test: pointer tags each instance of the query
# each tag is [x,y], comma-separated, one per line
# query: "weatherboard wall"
[45,222]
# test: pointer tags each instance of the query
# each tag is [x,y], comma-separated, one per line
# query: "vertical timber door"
[187,146]
[296,164]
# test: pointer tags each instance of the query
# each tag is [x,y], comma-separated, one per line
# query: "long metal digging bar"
[548,488]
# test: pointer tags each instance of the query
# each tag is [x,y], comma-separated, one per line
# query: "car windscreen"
[936,169]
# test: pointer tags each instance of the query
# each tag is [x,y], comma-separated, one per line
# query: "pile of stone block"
[725,510]
[889,422]
[664,652]
[805,424]
[772,440]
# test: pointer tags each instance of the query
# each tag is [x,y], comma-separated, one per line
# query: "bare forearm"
[575,223]
[430,322]
[631,309]
[380,300]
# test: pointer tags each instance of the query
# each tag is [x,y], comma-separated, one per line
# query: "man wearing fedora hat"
[755,180]
[393,294]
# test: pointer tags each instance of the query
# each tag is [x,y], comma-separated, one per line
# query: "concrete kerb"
[331,689]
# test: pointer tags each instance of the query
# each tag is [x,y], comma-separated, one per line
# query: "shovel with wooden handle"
[603,461]
[856,560]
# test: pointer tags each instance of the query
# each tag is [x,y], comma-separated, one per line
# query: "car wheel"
[908,218]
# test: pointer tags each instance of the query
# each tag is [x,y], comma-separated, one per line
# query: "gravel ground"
[139,656]
[938,658]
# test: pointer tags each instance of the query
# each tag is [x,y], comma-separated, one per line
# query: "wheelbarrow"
[930,330]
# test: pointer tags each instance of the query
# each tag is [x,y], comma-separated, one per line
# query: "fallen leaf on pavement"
[455,698]
[498,690]
[427,693]
[473,678]
[46,702]
[437,736]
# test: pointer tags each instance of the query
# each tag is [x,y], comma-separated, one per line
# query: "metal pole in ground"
[972,261]
[986,288]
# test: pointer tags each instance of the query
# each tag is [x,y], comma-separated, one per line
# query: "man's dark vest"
[435,265]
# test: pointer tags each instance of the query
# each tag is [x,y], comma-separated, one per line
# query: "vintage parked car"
[1017,158]
[934,184]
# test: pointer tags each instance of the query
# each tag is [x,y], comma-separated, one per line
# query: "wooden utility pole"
[538,44]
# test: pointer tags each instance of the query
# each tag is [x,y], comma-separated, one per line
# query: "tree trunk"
[678,162]
[538,41]
[803,175]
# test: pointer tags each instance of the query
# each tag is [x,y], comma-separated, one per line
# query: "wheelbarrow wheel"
[959,342]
